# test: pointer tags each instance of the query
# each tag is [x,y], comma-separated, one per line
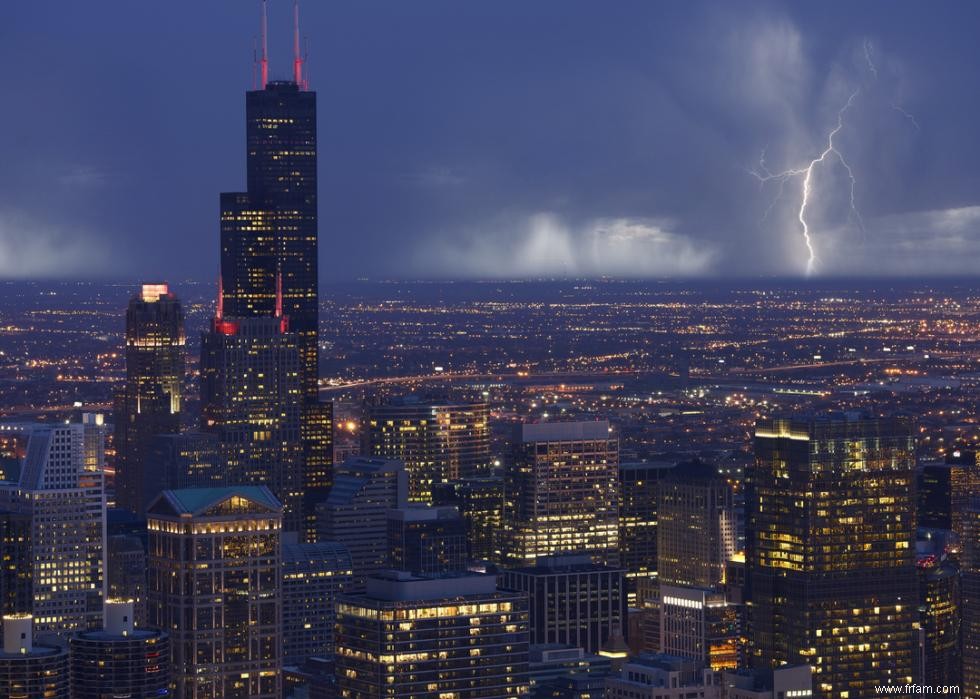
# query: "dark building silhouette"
[830,550]
[480,501]
[427,540]
[150,400]
[16,584]
[937,655]
[269,247]
[251,400]
[638,520]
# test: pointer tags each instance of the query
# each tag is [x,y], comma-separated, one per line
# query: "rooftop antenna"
[264,62]
[221,298]
[278,293]
[255,64]
[297,58]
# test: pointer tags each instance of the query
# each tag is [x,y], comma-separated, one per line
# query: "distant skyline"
[505,139]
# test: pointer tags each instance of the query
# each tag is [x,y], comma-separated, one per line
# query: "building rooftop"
[564,431]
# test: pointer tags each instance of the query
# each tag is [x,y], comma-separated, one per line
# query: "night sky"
[502,139]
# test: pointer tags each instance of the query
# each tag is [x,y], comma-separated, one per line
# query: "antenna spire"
[221,299]
[278,293]
[297,57]
[264,62]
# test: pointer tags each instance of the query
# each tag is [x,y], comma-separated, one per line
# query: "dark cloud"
[495,139]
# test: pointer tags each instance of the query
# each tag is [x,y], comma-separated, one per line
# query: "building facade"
[571,601]
[830,540]
[61,492]
[426,540]
[29,669]
[562,493]
[251,390]
[119,659]
[313,576]
[443,636]
[215,587]
[151,399]
[439,441]
[355,513]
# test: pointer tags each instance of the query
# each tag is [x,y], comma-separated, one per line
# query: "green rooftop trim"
[194,501]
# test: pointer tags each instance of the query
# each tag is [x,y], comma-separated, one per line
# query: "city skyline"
[483,141]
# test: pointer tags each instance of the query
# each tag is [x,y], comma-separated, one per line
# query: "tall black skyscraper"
[149,403]
[269,242]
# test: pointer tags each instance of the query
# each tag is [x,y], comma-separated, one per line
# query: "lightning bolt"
[868,52]
[765,175]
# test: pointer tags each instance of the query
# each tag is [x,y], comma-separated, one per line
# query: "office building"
[16,566]
[185,460]
[62,492]
[31,669]
[356,512]
[120,660]
[970,600]
[269,244]
[126,572]
[480,501]
[561,493]
[426,540]
[696,535]
[151,399]
[571,601]
[215,588]
[313,575]
[936,660]
[439,441]
[638,489]
[830,550]
[445,636]
[251,401]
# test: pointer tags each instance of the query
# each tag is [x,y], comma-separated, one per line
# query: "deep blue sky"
[503,138]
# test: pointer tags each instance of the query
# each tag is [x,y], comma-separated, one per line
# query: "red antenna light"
[297,58]
[278,294]
[264,62]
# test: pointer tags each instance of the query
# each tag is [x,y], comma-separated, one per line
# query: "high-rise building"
[62,492]
[445,636]
[561,493]
[638,484]
[126,572]
[313,575]
[943,490]
[695,540]
[664,677]
[970,599]
[426,540]
[936,660]
[150,401]
[30,670]
[356,512]
[185,460]
[571,601]
[215,587]
[269,246]
[830,550]
[567,673]
[16,566]
[439,441]
[120,659]
[480,502]
[251,400]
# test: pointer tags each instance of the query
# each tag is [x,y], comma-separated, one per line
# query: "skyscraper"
[695,540]
[415,636]
[269,243]
[937,653]
[562,493]
[251,399]
[439,441]
[427,540]
[150,401]
[356,512]
[62,492]
[970,600]
[215,587]
[638,520]
[480,501]
[313,575]
[830,552]
[571,601]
